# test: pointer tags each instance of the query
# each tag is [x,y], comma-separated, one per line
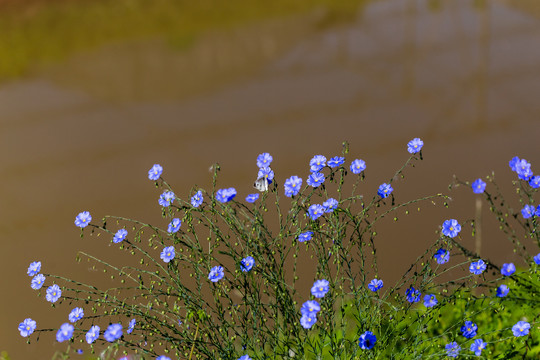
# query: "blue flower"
[216,274]
[537,259]
[310,307]
[508,269]
[65,332]
[317,163]
[315,179]
[76,314]
[451,228]
[469,329]
[415,145]
[120,236]
[267,173]
[155,172]
[523,169]
[167,254]
[442,256]
[166,198]
[83,219]
[521,328]
[385,190]
[251,198]
[37,281]
[452,349]
[292,186]
[174,226]
[357,166]
[163,357]
[197,199]
[92,334]
[247,263]
[537,213]
[502,291]
[308,320]
[244,357]
[27,327]
[225,195]
[430,301]
[34,268]
[413,295]
[264,160]
[375,285]
[513,163]
[534,182]
[330,205]
[477,267]
[367,340]
[305,236]
[336,161]
[131,326]
[315,211]
[53,293]
[113,332]
[528,211]
[477,346]
[478,186]
[320,288]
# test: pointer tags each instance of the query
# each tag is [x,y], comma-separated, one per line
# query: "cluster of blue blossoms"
[316,177]
[523,169]
[469,330]
[66,330]
[309,309]
[292,187]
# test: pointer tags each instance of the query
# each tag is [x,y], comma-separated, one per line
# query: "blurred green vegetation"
[419,332]
[46,32]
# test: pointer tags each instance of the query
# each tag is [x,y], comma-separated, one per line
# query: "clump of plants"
[290,272]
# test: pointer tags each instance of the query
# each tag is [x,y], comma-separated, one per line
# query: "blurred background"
[94,92]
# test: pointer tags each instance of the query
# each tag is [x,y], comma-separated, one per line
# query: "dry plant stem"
[194,339]
[478,223]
